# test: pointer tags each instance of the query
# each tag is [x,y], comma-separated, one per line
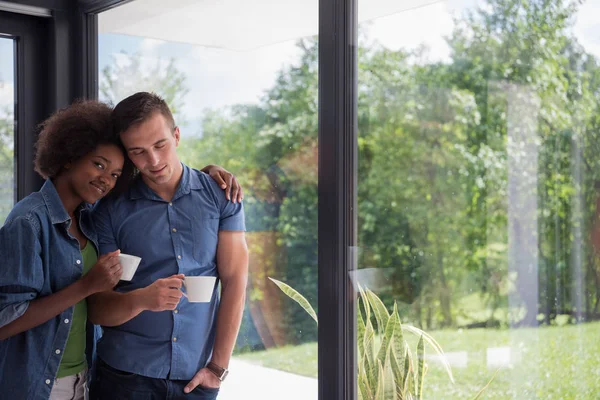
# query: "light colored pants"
[72,387]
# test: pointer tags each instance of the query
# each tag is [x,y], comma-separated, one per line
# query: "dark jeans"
[112,384]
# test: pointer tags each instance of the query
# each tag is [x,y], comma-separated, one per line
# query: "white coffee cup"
[130,264]
[199,289]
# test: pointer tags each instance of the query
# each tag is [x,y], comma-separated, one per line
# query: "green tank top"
[73,360]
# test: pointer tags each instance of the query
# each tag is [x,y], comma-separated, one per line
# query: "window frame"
[31,94]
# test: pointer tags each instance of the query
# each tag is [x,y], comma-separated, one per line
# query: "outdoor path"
[248,382]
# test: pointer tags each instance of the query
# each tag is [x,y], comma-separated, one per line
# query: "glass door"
[479,197]
[242,81]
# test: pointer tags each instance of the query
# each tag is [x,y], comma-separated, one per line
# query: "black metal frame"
[30,103]
[87,26]
[337,198]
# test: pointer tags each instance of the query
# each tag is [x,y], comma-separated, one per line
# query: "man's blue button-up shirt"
[39,258]
[172,237]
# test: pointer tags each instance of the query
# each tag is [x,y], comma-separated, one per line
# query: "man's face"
[151,147]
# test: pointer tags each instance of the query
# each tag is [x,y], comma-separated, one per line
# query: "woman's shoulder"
[30,210]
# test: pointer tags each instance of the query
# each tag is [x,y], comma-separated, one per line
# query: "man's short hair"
[70,134]
[138,108]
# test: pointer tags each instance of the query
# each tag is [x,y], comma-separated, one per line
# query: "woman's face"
[94,175]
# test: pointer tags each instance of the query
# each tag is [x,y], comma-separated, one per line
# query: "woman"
[49,256]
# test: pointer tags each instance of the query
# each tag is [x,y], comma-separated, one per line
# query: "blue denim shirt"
[39,257]
[173,237]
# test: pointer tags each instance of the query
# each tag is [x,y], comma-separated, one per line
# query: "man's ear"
[177,135]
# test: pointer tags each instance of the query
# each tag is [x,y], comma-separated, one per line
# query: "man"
[155,344]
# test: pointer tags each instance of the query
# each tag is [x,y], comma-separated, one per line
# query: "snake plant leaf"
[386,341]
[483,389]
[420,375]
[435,345]
[363,387]
[390,382]
[381,313]
[370,362]
[408,370]
[398,376]
[297,297]
[360,339]
[365,302]
[399,343]
[379,394]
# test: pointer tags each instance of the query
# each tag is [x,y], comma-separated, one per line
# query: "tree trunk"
[444,293]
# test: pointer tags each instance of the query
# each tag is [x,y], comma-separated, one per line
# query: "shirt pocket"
[206,235]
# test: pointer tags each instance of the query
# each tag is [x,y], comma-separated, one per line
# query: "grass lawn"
[546,363]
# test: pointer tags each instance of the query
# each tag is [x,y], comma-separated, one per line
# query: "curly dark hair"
[73,132]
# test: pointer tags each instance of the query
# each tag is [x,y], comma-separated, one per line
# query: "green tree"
[130,73]
[438,152]
[272,148]
[528,44]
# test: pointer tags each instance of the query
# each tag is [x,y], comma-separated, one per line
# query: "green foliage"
[438,146]
[130,73]
[386,366]
[297,297]
[540,373]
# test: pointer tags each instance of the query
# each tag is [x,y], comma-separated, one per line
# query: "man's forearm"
[112,308]
[229,318]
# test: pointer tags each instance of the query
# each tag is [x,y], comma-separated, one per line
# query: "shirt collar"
[189,181]
[56,210]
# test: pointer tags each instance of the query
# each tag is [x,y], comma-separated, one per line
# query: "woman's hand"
[105,274]
[227,182]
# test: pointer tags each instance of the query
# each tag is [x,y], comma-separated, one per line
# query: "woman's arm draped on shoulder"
[226,181]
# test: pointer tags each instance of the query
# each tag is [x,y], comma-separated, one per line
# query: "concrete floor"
[249,382]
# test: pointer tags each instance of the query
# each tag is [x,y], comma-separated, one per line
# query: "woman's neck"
[70,200]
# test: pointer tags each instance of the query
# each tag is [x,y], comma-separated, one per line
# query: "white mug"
[199,288]
[130,264]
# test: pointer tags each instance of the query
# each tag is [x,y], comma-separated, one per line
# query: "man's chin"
[158,179]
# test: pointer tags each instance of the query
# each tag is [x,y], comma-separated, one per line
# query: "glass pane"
[241,79]
[479,193]
[7,125]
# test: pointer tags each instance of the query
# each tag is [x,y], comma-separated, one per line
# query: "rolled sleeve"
[104,227]
[21,274]
[232,217]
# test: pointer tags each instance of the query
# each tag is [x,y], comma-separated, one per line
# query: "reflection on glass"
[7,167]
[478,192]
[246,99]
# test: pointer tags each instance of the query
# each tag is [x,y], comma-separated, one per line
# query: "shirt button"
[78,262]
[174,230]
[176,312]
[57,351]
[179,257]
[66,320]
[171,204]
[47,381]
[174,339]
